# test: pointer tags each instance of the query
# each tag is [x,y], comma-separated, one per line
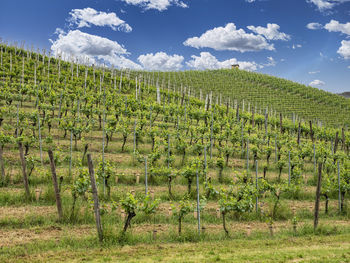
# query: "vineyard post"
[55,184]
[71,151]
[257,187]
[23,162]
[247,157]
[121,80]
[276,148]
[299,134]
[150,117]
[136,88]
[339,192]
[242,139]
[318,193]
[314,158]
[59,108]
[237,113]
[17,123]
[168,151]
[146,178]
[343,138]
[211,136]
[289,169]
[40,142]
[198,208]
[266,119]
[134,137]
[95,197]
[86,72]
[103,140]
[205,163]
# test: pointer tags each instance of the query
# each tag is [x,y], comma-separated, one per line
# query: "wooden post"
[211,136]
[289,169]
[339,192]
[95,196]
[311,132]
[276,148]
[40,142]
[299,130]
[198,208]
[247,157]
[55,185]
[146,178]
[24,171]
[314,158]
[318,194]
[257,187]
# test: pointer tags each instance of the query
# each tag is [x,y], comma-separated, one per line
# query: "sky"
[307,41]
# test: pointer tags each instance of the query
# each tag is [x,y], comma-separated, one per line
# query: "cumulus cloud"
[270,32]
[161,61]
[323,5]
[316,83]
[335,26]
[97,49]
[229,38]
[159,5]
[314,72]
[89,16]
[208,61]
[314,26]
[344,49]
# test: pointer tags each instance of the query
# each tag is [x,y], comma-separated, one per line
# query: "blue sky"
[307,41]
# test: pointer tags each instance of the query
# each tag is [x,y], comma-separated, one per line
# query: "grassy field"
[327,247]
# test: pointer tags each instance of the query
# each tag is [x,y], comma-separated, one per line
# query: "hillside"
[173,163]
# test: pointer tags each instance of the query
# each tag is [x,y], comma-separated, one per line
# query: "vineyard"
[92,156]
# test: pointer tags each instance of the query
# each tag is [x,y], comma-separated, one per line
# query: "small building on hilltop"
[234,66]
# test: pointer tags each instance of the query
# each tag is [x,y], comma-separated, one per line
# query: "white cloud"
[344,49]
[89,16]
[348,67]
[296,46]
[97,49]
[208,61]
[250,1]
[270,62]
[270,32]
[335,26]
[229,38]
[323,5]
[159,5]
[316,83]
[314,26]
[314,72]
[161,61]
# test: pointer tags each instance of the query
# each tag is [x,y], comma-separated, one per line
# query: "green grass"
[325,247]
